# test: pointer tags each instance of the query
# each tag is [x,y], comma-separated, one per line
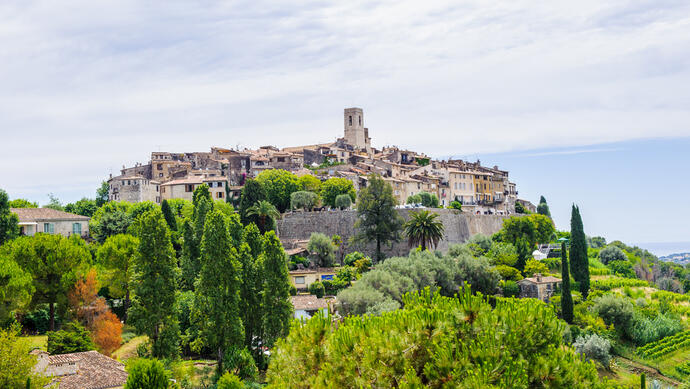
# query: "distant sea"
[661,249]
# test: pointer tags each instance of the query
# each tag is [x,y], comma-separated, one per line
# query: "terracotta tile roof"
[308,302]
[542,280]
[94,371]
[40,214]
[186,180]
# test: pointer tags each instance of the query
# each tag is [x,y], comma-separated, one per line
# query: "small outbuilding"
[307,305]
[51,221]
[539,287]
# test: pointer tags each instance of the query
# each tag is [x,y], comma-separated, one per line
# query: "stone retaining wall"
[458,228]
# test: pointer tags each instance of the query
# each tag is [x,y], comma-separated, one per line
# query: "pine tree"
[217,297]
[378,220]
[191,248]
[156,268]
[276,291]
[169,217]
[523,252]
[579,264]
[543,207]
[566,296]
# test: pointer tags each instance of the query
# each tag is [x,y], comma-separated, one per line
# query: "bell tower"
[355,133]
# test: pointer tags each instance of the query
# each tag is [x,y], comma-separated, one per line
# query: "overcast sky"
[87,86]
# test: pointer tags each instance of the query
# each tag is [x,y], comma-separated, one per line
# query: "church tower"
[355,133]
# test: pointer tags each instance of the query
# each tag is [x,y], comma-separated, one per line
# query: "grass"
[197,372]
[38,341]
[129,349]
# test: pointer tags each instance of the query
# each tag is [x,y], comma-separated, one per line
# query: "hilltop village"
[172,175]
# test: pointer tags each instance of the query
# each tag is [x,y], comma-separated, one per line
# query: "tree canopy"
[279,185]
[335,186]
[9,227]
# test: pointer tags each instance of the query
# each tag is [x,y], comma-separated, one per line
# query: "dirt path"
[650,372]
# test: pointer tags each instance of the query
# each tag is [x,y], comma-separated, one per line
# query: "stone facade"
[299,226]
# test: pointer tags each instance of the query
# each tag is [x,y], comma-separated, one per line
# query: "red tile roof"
[40,214]
[94,371]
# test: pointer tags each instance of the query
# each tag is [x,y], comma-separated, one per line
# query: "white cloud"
[89,86]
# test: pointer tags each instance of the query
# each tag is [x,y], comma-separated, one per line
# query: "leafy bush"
[502,254]
[229,381]
[611,253]
[239,362]
[323,249]
[533,267]
[455,205]
[414,199]
[510,288]
[594,348]
[317,289]
[343,201]
[622,269]
[483,241]
[73,338]
[146,374]
[352,257]
[428,199]
[293,290]
[670,285]
[552,263]
[645,330]
[304,200]
[614,310]
[434,341]
[508,273]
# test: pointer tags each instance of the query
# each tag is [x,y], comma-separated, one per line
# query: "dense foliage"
[435,341]
[378,220]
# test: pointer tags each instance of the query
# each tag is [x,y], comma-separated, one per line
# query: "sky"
[582,101]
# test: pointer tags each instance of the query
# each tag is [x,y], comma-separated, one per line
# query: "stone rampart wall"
[458,228]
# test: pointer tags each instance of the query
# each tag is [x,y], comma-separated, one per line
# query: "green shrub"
[293,290]
[614,310]
[508,273]
[645,330]
[239,362]
[510,288]
[455,205]
[343,201]
[229,381]
[594,348]
[71,339]
[611,253]
[502,254]
[622,269]
[317,289]
[352,257]
[146,374]
[532,267]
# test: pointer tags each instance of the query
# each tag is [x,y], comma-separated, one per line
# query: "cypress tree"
[191,248]
[276,291]
[566,296]
[168,215]
[579,264]
[523,253]
[200,192]
[543,207]
[217,297]
[153,311]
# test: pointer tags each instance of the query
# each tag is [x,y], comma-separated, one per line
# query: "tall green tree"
[54,203]
[155,284]
[543,208]
[201,191]
[118,254]
[112,218]
[84,207]
[16,362]
[378,220]
[217,294]
[310,183]
[251,286]
[266,214]
[424,229]
[22,203]
[9,222]
[335,186]
[54,262]
[524,253]
[279,185]
[16,287]
[102,194]
[252,193]
[191,247]
[566,296]
[168,215]
[579,264]
[275,302]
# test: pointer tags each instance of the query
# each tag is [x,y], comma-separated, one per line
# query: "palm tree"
[423,229]
[265,211]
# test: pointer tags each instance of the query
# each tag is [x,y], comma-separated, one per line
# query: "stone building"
[51,221]
[539,287]
[134,189]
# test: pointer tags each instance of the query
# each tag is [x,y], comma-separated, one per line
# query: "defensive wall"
[458,227]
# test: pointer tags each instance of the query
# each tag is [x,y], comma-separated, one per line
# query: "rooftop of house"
[539,279]
[45,214]
[330,270]
[308,302]
[93,371]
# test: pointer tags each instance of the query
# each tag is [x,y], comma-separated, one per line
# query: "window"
[76,228]
[299,280]
[49,228]
[220,184]
[159,166]
[219,195]
[281,159]
[350,119]
[189,188]
[158,199]
[160,174]
[360,120]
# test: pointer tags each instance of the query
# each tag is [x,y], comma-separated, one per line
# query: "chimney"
[538,275]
